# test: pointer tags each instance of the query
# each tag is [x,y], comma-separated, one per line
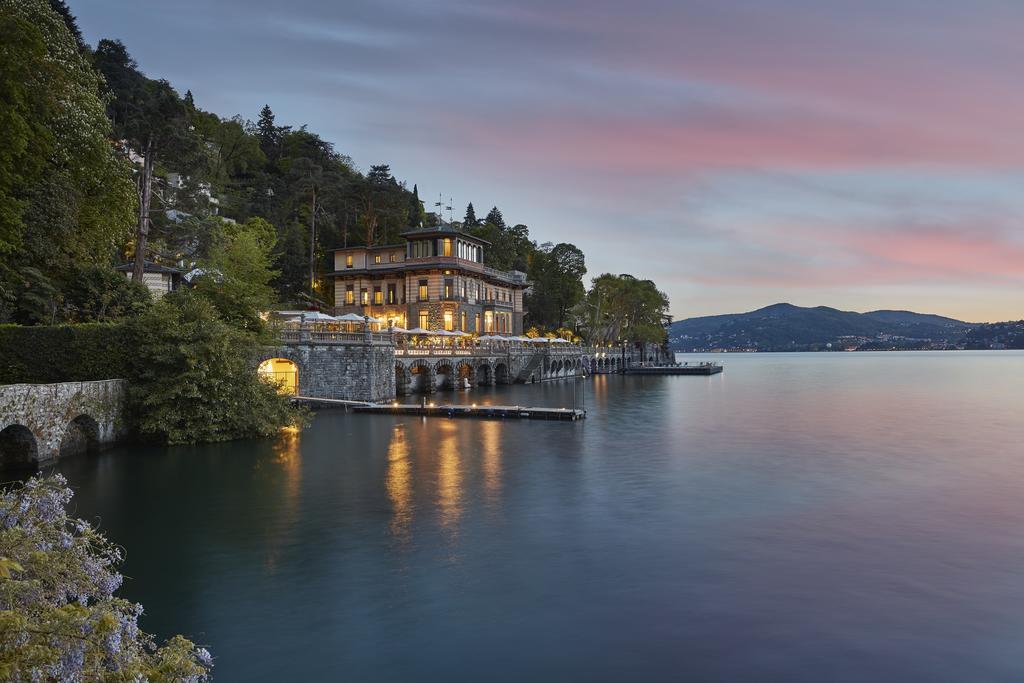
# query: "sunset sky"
[861,154]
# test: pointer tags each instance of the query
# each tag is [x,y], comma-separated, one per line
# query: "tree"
[495,218]
[415,208]
[59,617]
[621,308]
[268,133]
[380,175]
[62,10]
[193,378]
[97,293]
[150,117]
[237,274]
[557,275]
[65,192]
[59,173]
[470,221]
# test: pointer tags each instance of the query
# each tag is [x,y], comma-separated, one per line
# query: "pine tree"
[415,208]
[495,218]
[267,130]
[380,174]
[470,221]
[189,102]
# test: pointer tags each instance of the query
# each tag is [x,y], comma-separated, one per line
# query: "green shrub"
[193,379]
[63,353]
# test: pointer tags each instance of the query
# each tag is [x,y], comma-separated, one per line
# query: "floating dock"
[683,369]
[448,410]
[479,411]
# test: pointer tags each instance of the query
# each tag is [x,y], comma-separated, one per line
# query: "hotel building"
[436,280]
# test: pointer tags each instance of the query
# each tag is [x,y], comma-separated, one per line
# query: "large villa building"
[436,280]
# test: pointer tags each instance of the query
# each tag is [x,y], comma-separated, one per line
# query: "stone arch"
[282,371]
[18,447]
[484,373]
[501,374]
[402,380]
[444,374]
[422,378]
[465,373]
[81,435]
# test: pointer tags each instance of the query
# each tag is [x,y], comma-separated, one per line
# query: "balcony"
[495,303]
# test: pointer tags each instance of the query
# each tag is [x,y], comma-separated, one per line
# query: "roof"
[149,267]
[373,248]
[442,229]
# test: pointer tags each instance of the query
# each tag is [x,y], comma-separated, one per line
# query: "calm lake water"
[803,517]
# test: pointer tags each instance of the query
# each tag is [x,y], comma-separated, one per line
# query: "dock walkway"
[451,410]
[682,369]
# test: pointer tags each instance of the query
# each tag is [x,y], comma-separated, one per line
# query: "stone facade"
[41,422]
[353,372]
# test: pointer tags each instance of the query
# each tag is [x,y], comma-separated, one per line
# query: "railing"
[495,302]
[293,336]
[484,351]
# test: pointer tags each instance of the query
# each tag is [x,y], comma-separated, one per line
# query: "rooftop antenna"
[449,207]
[439,204]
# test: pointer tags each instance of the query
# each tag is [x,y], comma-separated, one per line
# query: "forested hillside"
[785,327]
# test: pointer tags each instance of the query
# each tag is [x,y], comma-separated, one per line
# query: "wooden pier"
[681,369]
[449,410]
[478,411]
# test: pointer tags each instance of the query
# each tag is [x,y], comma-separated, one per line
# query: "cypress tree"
[415,208]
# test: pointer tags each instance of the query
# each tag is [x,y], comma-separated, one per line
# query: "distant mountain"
[785,327]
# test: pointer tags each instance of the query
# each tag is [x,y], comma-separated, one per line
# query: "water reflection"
[491,461]
[287,463]
[398,482]
[449,477]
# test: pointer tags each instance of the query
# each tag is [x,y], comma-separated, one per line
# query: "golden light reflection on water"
[449,476]
[398,481]
[491,463]
[288,461]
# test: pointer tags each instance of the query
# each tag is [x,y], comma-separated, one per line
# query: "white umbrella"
[398,330]
[317,316]
[350,318]
[371,319]
[418,330]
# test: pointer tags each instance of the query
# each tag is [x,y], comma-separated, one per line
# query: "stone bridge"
[42,422]
[432,369]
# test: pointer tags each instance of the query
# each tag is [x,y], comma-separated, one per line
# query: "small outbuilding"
[158,278]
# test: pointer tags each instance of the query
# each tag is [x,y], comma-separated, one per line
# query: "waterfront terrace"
[436,279]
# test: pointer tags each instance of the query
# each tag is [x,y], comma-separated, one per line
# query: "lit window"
[350,295]
[449,321]
[463,326]
[364,297]
[348,261]
[447,247]
[378,296]
[423,290]
[376,258]
[393,257]
[424,320]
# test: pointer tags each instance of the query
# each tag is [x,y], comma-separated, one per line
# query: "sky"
[862,154]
